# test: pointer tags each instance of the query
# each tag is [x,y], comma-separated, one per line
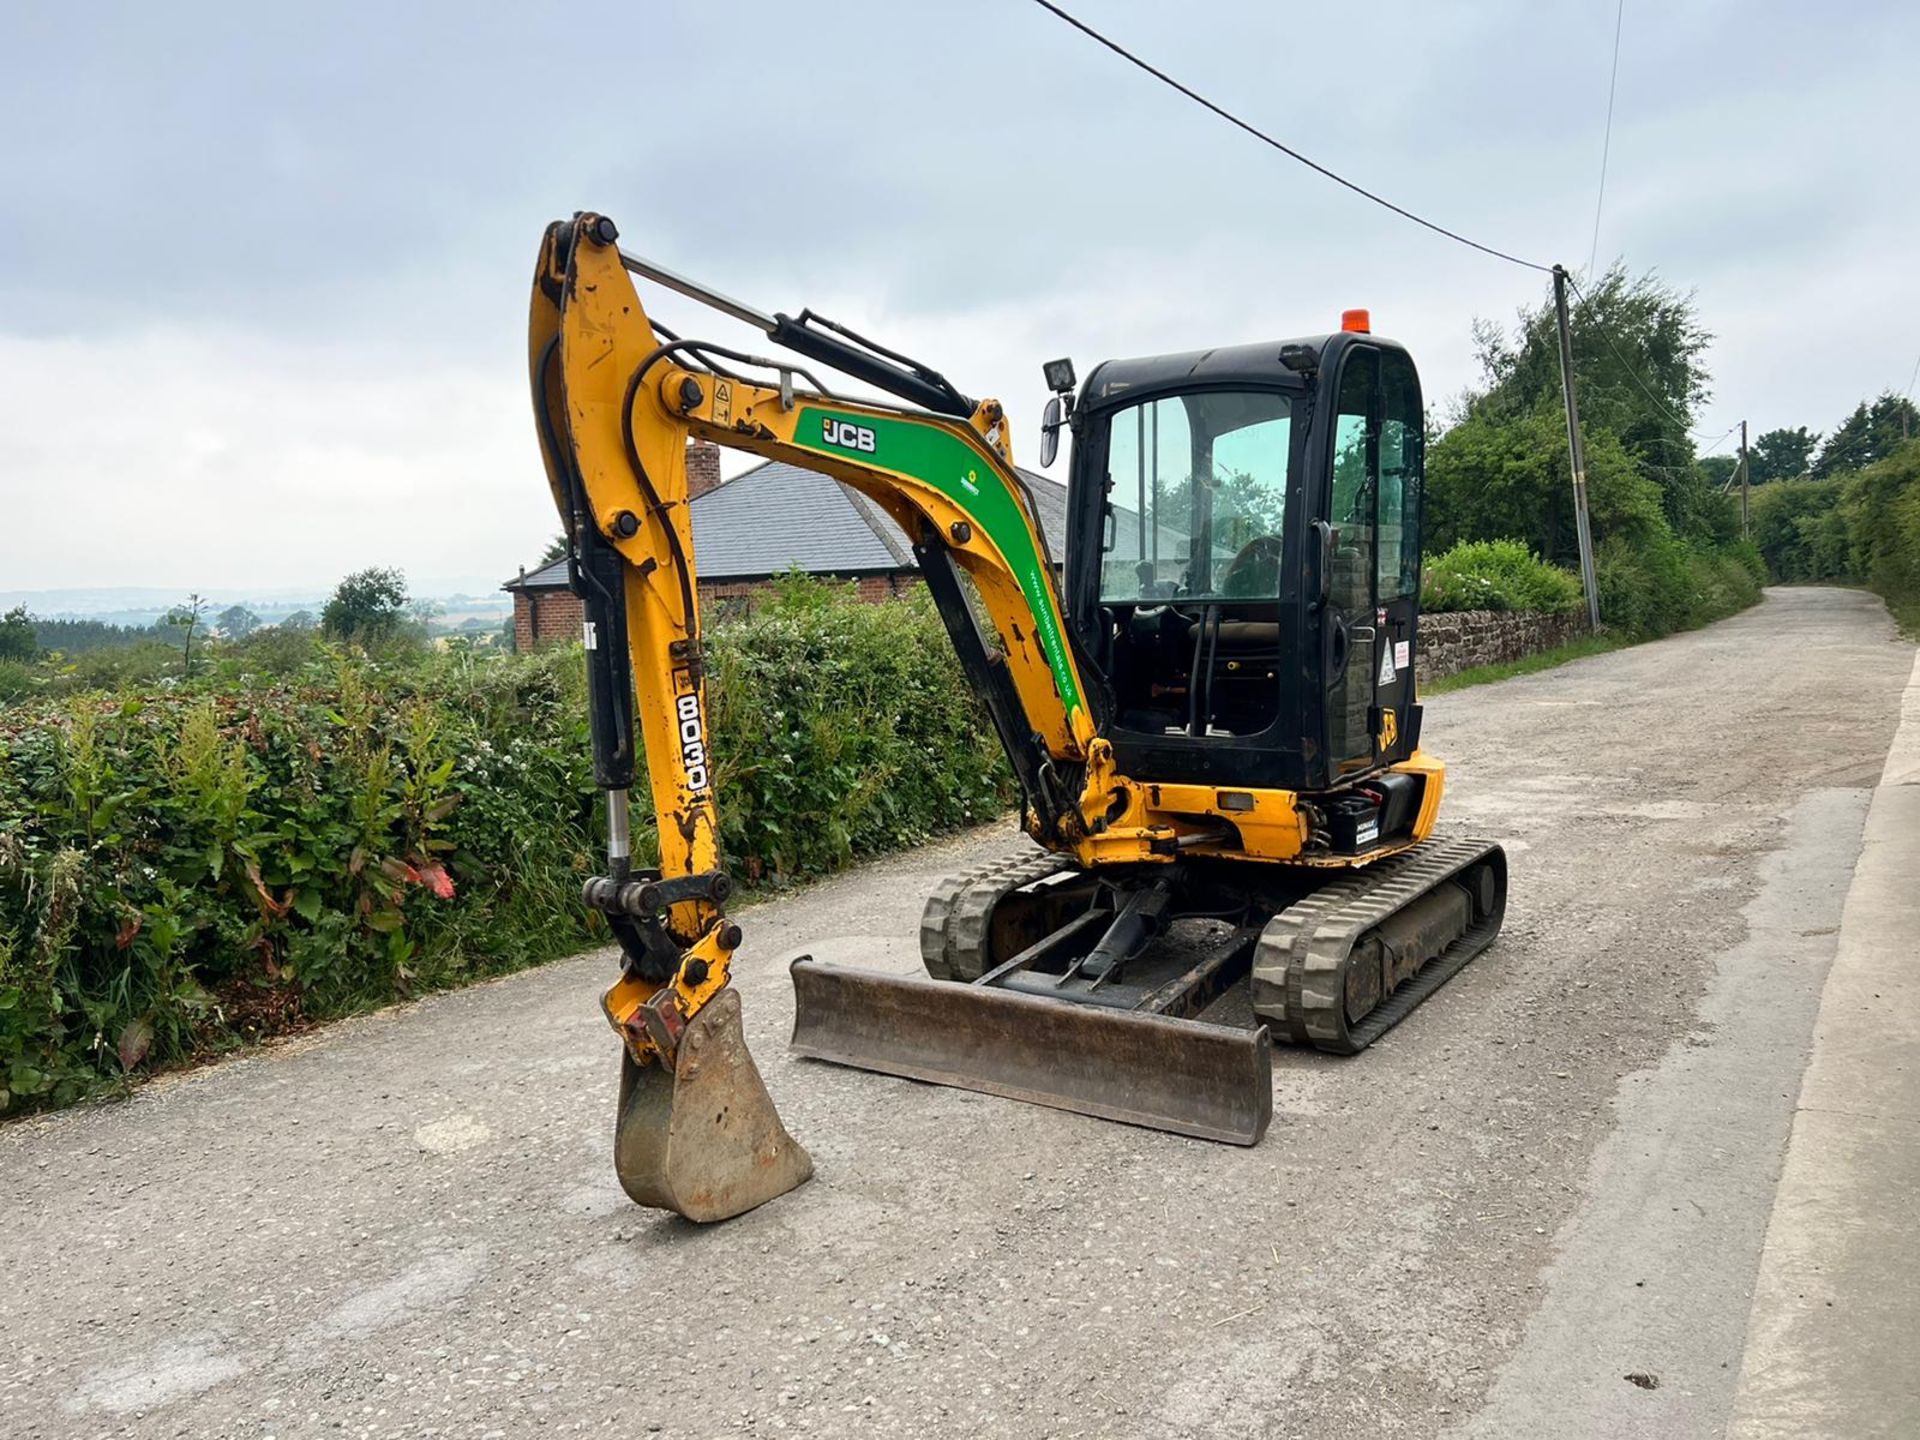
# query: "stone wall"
[1450,643]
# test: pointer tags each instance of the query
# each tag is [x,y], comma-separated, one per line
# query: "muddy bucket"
[704,1139]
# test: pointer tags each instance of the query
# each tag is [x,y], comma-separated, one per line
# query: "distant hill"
[143,604]
[140,606]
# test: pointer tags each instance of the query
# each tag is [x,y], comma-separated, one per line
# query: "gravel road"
[1555,1176]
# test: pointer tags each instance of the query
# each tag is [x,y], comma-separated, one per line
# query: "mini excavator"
[1212,719]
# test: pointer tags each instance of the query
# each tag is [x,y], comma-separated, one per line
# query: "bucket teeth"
[703,1139]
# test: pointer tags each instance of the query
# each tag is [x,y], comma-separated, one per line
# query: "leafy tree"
[1895,421]
[1870,434]
[1496,479]
[1782,455]
[1719,470]
[236,622]
[185,618]
[556,548]
[1801,529]
[18,638]
[1626,329]
[1882,507]
[77,637]
[1847,446]
[1637,359]
[297,620]
[1667,552]
[366,606]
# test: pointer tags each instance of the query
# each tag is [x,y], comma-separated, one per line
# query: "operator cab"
[1243,564]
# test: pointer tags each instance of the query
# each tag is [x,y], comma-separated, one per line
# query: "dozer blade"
[1210,1081]
[705,1140]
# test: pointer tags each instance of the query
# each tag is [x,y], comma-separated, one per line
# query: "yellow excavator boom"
[617,402]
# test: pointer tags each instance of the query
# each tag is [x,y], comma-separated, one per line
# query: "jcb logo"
[847,435]
[693,745]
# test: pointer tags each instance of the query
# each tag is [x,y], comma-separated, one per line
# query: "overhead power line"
[1719,441]
[1282,147]
[1606,145]
[1232,119]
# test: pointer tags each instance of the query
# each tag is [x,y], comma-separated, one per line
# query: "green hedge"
[1651,586]
[180,869]
[1666,555]
[844,729]
[1862,528]
[1496,575]
[192,863]
[1664,585]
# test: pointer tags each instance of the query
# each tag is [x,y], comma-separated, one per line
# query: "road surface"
[1557,1175]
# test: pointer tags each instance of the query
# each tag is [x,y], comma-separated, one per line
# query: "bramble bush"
[303,831]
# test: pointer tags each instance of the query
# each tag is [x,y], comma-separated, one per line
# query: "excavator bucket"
[1186,1076]
[703,1139]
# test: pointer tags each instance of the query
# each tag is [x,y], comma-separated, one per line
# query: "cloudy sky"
[263,268]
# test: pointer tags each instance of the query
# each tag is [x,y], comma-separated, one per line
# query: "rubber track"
[1299,964]
[956,925]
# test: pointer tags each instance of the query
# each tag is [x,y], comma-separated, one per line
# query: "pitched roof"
[551,576]
[777,517]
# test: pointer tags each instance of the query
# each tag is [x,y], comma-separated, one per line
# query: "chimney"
[703,467]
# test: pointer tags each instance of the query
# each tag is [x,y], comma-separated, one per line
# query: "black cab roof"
[1116,382]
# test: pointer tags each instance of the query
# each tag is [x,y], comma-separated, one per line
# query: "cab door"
[1354,621]
[1400,452]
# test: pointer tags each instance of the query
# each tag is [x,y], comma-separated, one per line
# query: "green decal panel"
[954,468]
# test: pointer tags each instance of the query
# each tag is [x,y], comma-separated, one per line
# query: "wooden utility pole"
[1746,515]
[1575,455]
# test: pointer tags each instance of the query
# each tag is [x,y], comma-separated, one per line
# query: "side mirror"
[1051,419]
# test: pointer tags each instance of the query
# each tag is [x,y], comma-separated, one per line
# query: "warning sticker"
[1387,671]
[1402,653]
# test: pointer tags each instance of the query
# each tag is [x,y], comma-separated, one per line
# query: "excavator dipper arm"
[616,403]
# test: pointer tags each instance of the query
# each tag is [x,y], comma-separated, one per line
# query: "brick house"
[761,524]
